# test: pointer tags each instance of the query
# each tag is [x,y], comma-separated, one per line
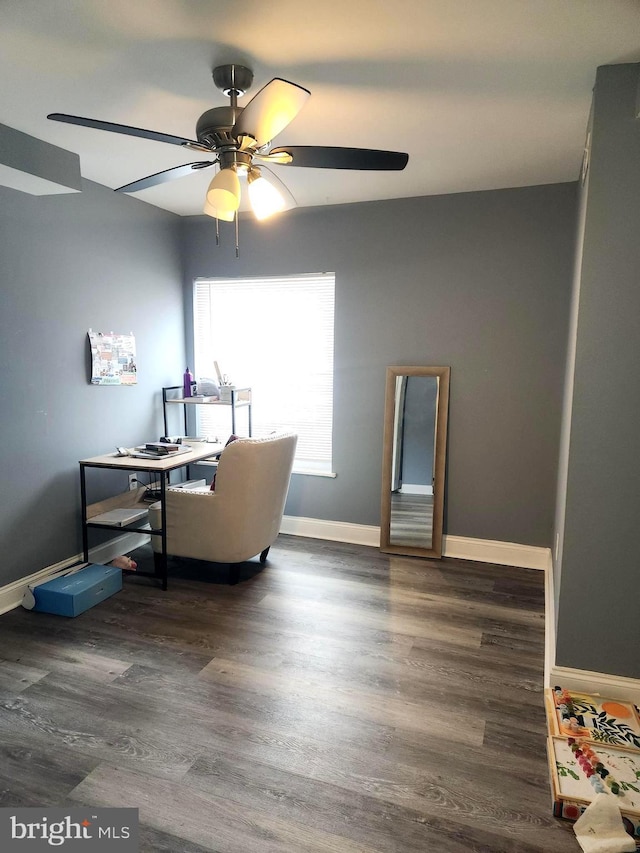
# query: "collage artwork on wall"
[113,358]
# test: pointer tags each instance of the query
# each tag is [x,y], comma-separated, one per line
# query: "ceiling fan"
[240,138]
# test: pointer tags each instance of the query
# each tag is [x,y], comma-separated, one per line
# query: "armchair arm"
[187,517]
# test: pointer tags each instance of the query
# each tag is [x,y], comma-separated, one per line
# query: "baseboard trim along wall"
[334,531]
[491,551]
[11,594]
[460,547]
[415,489]
[598,683]
[549,622]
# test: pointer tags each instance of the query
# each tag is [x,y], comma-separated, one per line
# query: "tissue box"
[72,594]
[572,792]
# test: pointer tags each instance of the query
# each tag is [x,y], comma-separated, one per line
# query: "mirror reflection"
[414,460]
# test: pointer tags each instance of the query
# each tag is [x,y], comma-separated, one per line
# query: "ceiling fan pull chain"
[237,241]
[217,231]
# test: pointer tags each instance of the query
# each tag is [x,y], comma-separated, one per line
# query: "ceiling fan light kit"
[225,215]
[236,135]
[224,191]
[265,199]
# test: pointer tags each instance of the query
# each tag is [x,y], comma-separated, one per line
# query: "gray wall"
[598,626]
[69,263]
[477,281]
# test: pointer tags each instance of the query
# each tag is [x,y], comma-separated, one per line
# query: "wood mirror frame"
[389,543]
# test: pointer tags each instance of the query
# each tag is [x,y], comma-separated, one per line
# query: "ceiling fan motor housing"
[214,127]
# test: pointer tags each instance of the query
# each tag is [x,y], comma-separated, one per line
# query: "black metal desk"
[161,468]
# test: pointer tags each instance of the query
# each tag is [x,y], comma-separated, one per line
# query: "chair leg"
[263,555]
[157,563]
[234,573]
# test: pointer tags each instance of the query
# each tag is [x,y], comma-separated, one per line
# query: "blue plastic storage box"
[72,594]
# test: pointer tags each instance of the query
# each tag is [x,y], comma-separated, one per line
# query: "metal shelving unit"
[240,399]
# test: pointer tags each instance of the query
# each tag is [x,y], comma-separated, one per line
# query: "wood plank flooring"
[411,520]
[337,701]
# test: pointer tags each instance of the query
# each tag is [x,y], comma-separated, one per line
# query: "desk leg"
[163,538]
[83,514]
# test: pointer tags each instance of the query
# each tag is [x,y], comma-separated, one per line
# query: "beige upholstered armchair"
[242,517]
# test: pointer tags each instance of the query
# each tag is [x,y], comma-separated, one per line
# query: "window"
[274,335]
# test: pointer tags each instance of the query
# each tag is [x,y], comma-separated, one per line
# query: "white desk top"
[199,450]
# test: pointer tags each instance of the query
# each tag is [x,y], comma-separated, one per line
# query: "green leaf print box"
[608,721]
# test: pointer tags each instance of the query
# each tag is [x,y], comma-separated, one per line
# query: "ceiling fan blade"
[327,157]
[271,110]
[163,177]
[154,135]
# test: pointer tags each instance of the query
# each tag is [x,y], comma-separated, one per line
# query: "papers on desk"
[143,452]
[163,447]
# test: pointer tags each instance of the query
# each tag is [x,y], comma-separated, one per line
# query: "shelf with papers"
[238,398]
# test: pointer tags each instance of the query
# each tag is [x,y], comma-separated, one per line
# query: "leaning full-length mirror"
[413,464]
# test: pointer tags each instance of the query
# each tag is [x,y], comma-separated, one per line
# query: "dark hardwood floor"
[338,700]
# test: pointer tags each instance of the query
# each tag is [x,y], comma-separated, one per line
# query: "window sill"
[310,473]
[305,472]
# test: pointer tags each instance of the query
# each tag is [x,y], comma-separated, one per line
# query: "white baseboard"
[415,489]
[598,683]
[492,551]
[11,594]
[462,547]
[549,622]
[334,531]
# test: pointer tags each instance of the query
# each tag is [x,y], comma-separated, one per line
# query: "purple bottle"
[187,383]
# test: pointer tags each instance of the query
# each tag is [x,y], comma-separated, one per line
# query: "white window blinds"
[274,335]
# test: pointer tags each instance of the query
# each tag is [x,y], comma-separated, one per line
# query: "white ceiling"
[482,94]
